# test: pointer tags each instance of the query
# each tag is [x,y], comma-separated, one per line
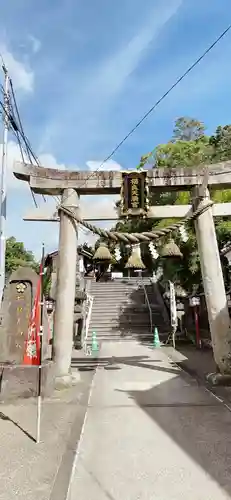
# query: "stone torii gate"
[70,185]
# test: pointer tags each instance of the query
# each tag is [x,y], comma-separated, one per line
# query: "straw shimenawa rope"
[134,237]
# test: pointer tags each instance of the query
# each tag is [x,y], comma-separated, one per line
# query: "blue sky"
[85,72]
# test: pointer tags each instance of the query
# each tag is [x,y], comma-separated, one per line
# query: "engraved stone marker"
[15,313]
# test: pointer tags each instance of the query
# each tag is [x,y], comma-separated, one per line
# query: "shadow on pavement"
[113,363]
[8,419]
[201,430]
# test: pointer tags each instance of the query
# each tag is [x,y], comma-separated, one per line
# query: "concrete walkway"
[151,433]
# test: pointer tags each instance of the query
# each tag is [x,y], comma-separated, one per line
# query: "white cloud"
[14,154]
[48,160]
[97,205]
[108,165]
[22,76]
[35,44]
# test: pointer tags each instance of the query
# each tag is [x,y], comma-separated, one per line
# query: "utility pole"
[3,197]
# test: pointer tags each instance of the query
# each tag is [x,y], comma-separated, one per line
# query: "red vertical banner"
[32,343]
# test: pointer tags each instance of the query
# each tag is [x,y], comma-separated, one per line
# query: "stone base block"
[21,381]
[67,381]
[219,379]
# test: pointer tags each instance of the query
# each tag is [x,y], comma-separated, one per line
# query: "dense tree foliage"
[188,129]
[188,147]
[17,255]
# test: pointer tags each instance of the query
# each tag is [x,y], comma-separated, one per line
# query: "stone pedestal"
[21,381]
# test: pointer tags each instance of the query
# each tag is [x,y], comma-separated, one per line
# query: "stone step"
[120,311]
[123,287]
[121,325]
[128,305]
[118,290]
[124,327]
[138,319]
[115,284]
[135,306]
[122,297]
[114,292]
[119,320]
[101,301]
[124,304]
[126,333]
[128,286]
[122,335]
[101,338]
[102,284]
[130,282]
[127,337]
[121,317]
[121,303]
[125,317]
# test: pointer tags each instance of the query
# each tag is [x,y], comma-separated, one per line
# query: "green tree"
[188,129]
[17,255]
[221,143]
[201,150]
[183,153]
[189,147]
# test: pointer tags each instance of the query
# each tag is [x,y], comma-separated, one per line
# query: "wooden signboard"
[134,194]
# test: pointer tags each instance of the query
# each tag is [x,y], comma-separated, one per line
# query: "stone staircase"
[120,310]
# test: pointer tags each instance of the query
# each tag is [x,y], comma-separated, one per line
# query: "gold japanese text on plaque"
[19,314]
[134,194]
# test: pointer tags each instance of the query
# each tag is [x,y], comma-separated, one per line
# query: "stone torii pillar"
[217,307]
[66,282]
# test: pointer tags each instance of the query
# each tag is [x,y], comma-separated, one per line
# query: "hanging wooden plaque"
[134,193]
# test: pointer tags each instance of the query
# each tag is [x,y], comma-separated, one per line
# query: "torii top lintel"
[52,181]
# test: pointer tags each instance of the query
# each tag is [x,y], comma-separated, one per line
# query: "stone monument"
[17,304]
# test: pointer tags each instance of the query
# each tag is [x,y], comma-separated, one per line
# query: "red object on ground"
[32,344]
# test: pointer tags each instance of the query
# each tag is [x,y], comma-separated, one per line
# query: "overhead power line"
[18,130]
[161,99]
[15,124]
[14,128]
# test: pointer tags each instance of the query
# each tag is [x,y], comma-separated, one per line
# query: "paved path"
[151,433]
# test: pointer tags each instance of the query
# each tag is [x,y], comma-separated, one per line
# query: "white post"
[214,288]
[3,197]
[66,282]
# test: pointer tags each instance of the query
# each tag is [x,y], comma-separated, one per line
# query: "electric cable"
[151,109]
[145,116]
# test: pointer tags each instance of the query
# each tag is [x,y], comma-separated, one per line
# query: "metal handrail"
[91,298]
[89,305]
[148,303]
